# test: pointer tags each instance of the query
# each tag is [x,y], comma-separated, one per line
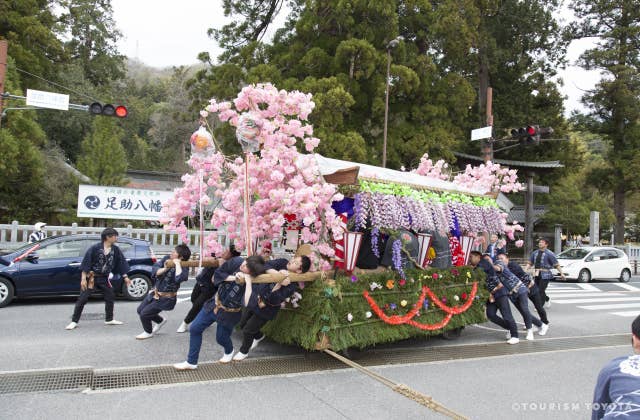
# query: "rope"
[401,389]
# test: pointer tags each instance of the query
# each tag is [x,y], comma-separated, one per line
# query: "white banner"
[102,202]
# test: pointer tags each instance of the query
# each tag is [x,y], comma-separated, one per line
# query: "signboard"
[481,133]
[102,202]
[44,99]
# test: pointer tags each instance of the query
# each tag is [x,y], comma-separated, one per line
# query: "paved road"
[555,384]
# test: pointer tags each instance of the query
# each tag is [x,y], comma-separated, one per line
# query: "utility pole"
[487,145]
[4,45]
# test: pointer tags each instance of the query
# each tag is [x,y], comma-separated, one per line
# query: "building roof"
[515,164]
[517,214]
[153,180]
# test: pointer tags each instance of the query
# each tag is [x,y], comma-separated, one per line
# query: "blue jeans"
[203,320]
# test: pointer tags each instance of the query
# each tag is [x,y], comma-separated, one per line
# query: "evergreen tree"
[614,102]
[103,157]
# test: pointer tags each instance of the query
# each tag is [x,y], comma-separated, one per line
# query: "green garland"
[424,195]
[325,308]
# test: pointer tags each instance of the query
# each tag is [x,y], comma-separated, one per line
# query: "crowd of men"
[224,295]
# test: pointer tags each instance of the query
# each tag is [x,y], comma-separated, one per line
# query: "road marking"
[561,288]
[583,294]
[184,292]
[614,306]
[183,299]
[597,300]
[627,313]
[587,286]
[627,287]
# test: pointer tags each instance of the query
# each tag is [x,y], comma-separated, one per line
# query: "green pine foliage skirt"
[336,314]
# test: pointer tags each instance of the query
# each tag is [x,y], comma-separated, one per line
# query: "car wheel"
[139,287]
[584,276]
[625,276]
[6,292]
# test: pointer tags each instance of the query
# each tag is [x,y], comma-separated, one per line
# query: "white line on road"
[627,287]
[184,292]
[614,306]
[627,313]
[596,300]
[587,287]
[183,299]
[583,294]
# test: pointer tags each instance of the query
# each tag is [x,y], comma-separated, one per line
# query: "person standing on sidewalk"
[543,260]
[617,392]
[498,297]
[38,233]
[163,297]
[204,288]
[100,263]
[534,292]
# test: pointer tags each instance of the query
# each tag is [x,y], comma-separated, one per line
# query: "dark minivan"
[51,267]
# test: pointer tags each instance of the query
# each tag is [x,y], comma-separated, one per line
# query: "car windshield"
[573,254]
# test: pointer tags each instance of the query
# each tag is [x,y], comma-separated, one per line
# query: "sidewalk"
[492,388]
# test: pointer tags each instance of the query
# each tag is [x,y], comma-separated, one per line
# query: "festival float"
[325,208]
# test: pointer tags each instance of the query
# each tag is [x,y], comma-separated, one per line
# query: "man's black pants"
[109,298]
[250,325]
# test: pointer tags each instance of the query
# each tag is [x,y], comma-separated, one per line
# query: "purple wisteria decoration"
[375,234]
[396,257]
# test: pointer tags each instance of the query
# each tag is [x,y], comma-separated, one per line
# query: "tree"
[103,157]
[614,101]
[93,35]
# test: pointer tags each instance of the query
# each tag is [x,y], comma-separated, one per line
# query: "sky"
[161,35]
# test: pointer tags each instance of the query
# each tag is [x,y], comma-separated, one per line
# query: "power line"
[55,84]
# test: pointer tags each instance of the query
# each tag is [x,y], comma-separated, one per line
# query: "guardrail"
[13,235]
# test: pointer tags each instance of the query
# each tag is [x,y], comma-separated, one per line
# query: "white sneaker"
[157,327]
[547,304]
[530,334]
[72,325]
[113,322]
[184,327]
[240,356]
[144,336]
[185,366]
[508,335]
[544,329]
[256,341]
[226,358]
[513,340]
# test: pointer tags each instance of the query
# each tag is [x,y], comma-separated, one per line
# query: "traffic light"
[108,110]
[527,135]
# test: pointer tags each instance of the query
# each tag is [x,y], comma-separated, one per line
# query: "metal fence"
[162,242]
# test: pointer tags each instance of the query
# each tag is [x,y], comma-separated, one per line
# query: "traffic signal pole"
[4,46]
[487,145]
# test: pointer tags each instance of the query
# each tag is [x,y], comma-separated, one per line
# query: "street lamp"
[391,45]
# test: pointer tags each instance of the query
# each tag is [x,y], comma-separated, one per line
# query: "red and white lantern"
[352,242]
[424,243]
[466,242]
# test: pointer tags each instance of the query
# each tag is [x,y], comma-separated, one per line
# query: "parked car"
[587,263]
[51,267]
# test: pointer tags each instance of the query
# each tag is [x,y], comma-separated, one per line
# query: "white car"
[587,263]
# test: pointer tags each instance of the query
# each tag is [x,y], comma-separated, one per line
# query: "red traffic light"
[108,110]
[531,130]
[121,111]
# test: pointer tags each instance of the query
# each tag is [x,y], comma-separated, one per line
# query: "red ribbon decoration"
[408,317]
[27,252]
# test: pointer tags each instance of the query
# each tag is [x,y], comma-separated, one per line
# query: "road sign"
[481,133]
[44,99]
